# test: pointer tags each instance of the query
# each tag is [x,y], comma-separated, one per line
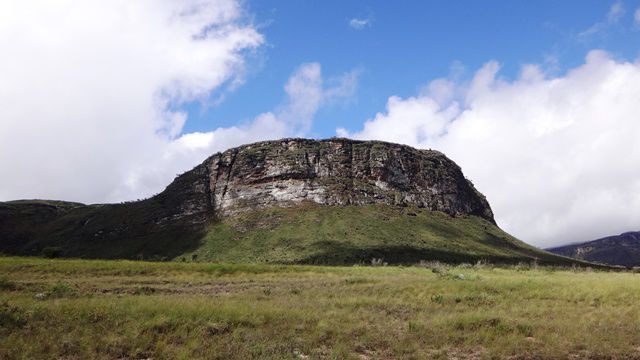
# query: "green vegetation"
[110,231]
[315,234]
[306,234]
[86,309]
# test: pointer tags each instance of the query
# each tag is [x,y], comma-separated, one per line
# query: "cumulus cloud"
[91,91]
[88,87]
[360,24]
[306,93]
[555,155]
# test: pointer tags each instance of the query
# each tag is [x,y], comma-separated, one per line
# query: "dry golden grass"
[80,309]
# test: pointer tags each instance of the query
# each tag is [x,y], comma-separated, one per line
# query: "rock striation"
[328,172]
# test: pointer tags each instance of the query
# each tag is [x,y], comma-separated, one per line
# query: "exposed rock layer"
[328,172]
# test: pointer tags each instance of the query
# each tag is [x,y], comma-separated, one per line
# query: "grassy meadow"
[95,309]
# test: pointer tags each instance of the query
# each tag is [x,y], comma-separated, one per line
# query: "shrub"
[51,252]
[61,289]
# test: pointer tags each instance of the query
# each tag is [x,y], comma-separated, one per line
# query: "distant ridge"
[623,250]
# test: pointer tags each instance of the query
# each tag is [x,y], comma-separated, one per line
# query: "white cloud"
[556,156]
[306,93]
[636,17]
[360,24]
[89,91]
[88,87]
[615,13]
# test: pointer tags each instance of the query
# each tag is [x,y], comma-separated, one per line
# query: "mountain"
[335,201]
[623,249]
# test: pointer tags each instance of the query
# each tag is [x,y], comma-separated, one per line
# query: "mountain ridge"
[336,190]
[622,250]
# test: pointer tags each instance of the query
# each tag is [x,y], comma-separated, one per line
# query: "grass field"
[85,309]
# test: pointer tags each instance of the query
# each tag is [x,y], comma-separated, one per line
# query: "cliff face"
[279,201]
[329,172]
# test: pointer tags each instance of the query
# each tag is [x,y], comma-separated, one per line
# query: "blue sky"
[406,45]
[537,101]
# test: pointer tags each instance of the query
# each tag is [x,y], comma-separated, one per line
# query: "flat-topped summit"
[334,201]
[329,172]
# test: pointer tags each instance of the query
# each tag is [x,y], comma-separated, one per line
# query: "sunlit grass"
[125,309]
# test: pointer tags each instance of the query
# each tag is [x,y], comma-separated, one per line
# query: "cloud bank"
[88,88]
[89,93]
[556,156]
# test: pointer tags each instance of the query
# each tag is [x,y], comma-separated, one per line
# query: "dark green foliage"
[61,289]
[130,230]
[51,252]
[307,234]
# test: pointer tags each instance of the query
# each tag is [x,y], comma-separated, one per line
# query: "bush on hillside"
[52,252]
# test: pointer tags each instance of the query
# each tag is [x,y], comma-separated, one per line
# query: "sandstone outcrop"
[329,172]
[359,200]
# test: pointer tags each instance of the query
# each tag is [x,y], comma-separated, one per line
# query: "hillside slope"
[315,234]
[623,249]
[289,201]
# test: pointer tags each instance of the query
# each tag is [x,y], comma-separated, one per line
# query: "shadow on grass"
[340,253]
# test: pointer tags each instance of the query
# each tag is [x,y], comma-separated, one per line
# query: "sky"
[108,100]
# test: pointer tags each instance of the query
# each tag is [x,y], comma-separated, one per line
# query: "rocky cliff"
[333,201]
[328,172]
